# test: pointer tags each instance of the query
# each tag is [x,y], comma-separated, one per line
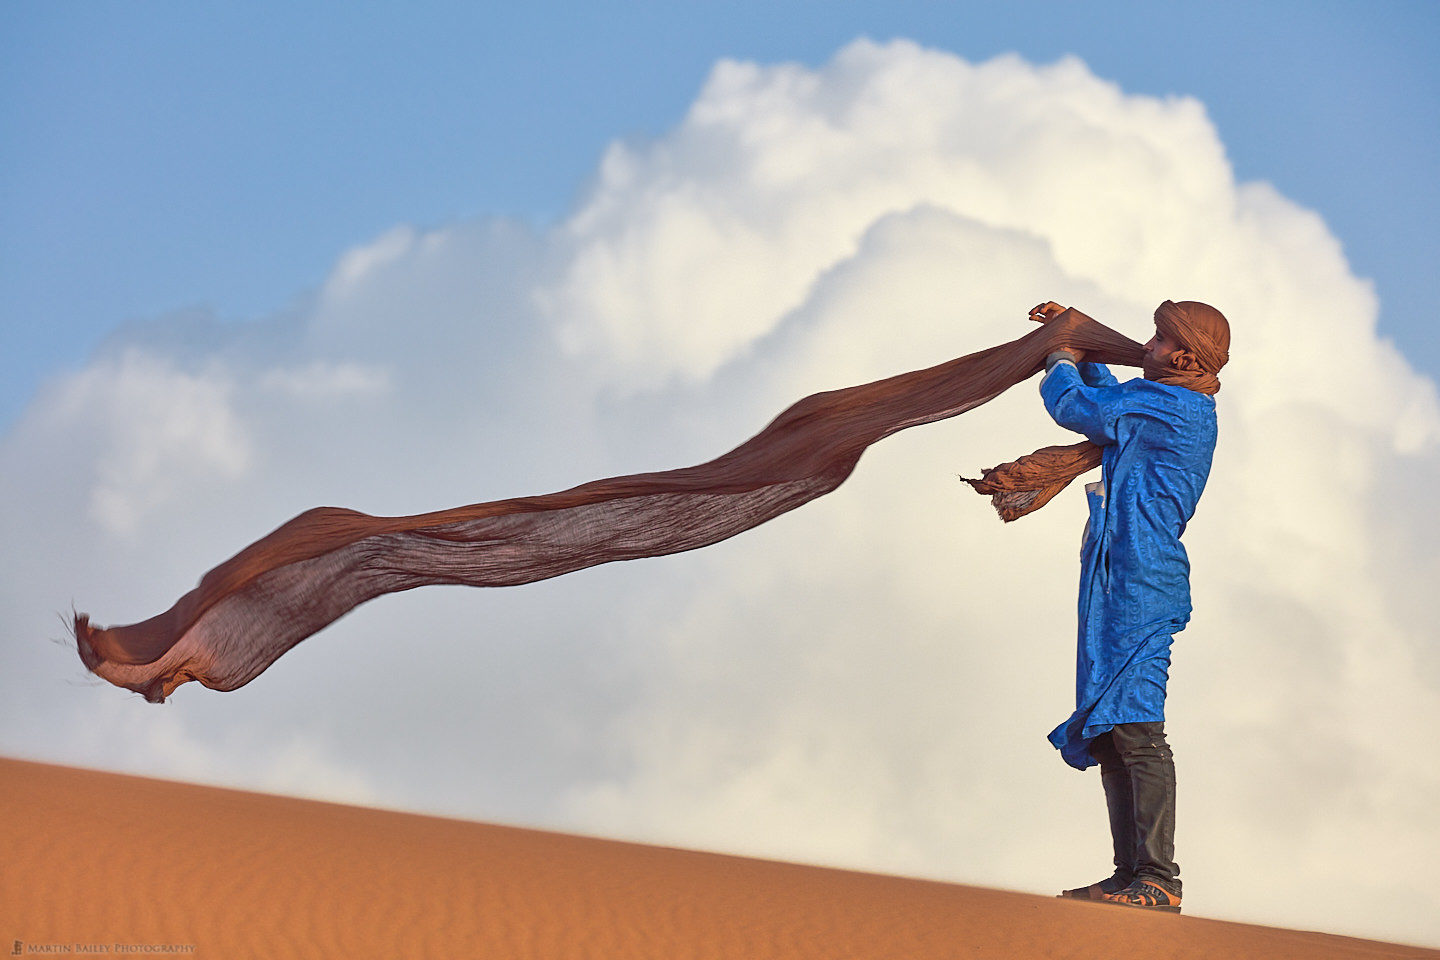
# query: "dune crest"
[104,859]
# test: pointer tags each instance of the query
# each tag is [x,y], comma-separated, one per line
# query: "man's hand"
[1047,311]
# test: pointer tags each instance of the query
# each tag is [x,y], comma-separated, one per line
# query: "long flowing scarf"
[314,569]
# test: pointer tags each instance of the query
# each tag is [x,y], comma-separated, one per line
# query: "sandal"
[1146,895]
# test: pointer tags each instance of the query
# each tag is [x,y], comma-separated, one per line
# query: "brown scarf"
[322,564]
[1025,485]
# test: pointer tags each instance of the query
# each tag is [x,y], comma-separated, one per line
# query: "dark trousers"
[1138,772]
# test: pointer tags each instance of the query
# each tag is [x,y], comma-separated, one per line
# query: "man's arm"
[1084,412]
[1097,375]
[1077,406]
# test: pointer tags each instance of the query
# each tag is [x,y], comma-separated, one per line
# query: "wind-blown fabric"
[1157,441]
[248,611]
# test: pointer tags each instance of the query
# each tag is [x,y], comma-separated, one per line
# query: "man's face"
[1161,348]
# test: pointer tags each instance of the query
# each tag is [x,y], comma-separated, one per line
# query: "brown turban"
[1204,334]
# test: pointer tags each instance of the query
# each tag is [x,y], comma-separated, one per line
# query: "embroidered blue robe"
[1134,574]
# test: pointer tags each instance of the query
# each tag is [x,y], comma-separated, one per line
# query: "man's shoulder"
[1166,407]
[1167,394]
[1137,395]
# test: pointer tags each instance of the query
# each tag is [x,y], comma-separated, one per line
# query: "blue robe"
[1134,575]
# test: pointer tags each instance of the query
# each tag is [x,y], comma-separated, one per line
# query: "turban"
[1201,331]
[246,612]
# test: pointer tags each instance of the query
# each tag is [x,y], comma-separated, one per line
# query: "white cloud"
[155,429]
[869,680]
[356,264]
[164,744]
[321,379]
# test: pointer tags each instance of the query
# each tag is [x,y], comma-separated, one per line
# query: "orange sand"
[95,859]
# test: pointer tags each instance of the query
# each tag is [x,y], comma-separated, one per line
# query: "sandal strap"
[1148,893]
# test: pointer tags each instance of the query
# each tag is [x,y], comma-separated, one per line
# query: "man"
[1158,436]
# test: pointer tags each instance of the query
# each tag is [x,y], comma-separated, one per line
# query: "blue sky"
[165,156]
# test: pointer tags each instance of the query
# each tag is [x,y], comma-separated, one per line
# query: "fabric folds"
[248,611]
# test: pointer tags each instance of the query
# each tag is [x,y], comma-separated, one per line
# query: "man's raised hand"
[1047,311]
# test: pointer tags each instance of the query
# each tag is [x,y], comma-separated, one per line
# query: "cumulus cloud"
[321,379]
[867,681]
[155,429]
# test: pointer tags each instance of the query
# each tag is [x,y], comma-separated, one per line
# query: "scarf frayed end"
[1013,504]
[1025,485]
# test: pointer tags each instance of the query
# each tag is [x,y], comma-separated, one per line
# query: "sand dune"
[104,864]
